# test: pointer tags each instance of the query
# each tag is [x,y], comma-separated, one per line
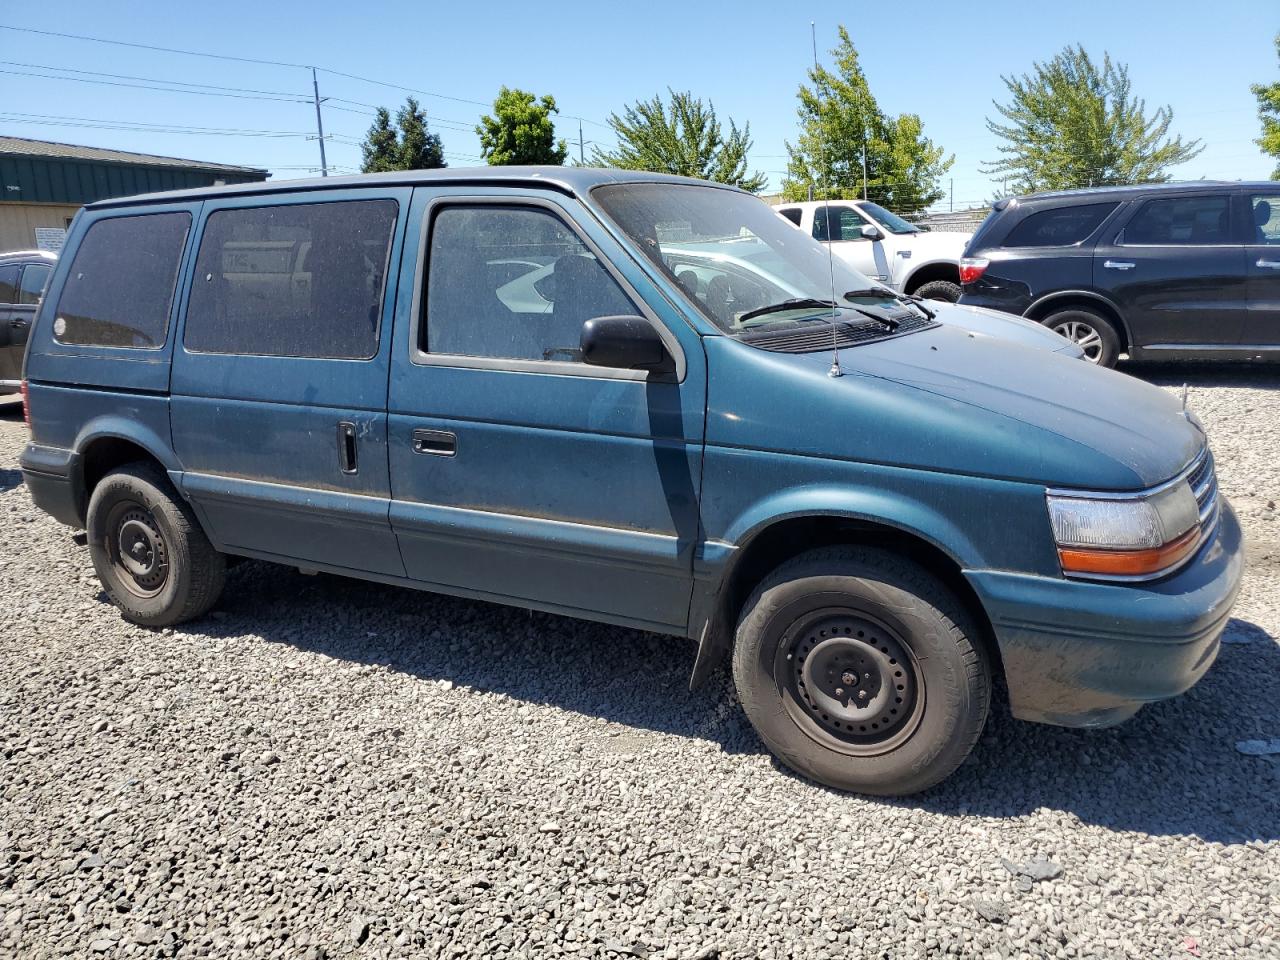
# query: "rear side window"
[298,280]
[9,284]
[34,277]
[1059,228]
[120,286]
[1180,220]
[792,214]
[512,283]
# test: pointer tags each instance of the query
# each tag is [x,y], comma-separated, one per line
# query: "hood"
[1007,326]
[950,400]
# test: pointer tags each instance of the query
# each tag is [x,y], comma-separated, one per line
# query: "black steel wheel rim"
[850,681]
[136,549]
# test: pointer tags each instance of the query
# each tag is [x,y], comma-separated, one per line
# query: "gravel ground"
[329,768]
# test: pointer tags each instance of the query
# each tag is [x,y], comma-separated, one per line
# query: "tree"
[1071,124]
[839,119]
[411,147]
[684,138]
[520,131]
[1268,95]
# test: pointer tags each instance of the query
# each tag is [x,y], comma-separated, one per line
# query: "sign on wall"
[50,238]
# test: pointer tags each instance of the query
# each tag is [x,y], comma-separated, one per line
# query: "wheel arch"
[108,443]
[930,271]
[1041,308]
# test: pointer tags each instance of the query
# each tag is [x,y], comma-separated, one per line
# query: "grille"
[1204,484]
[816,335]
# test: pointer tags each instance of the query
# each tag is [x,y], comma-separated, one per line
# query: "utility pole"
[953,194]
[315,87]
[581,156]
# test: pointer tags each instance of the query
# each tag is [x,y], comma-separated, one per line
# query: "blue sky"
[942,61]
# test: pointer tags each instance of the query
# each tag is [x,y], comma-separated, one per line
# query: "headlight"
[1120,536]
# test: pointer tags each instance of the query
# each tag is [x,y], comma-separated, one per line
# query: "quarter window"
[120,286]
[1180,220]
[512,283]
[297,280]
[792,214]
[34,277]
[1059,228]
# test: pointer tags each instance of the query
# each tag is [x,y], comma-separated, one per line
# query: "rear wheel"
[1090,331]
[944,290]
[151,555]
[860,670]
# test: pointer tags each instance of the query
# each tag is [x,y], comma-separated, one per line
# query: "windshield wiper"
[891,295]
[795,303]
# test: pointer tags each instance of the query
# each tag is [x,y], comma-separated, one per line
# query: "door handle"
[439,443]
[1269,264]
[347,447]
[20,322]
[1119,264]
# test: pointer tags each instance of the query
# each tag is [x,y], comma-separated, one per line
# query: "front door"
[1177,273]
[1262,256]
[842,226]
[519,473]
[280,376]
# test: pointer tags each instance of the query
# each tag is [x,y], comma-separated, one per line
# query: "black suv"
[22,279]
[1161,272]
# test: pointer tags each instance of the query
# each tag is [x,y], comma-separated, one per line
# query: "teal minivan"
[642,400]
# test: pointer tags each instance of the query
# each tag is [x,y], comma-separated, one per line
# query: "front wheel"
[150,553]
[1090,331]
[860,670]
[944,290]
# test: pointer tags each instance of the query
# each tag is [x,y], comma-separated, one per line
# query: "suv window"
[120,285]
[848,225]
[9,283]
[1180,220]
[34,278]
[1059,228]
[792,214]
[512,283]
[296,280]
[1266,217]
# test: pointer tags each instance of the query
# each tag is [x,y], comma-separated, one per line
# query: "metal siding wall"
[68,181]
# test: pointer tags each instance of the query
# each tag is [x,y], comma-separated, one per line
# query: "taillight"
[26,404]
[971,268]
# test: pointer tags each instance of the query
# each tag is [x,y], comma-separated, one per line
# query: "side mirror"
[871,233]
[627,343]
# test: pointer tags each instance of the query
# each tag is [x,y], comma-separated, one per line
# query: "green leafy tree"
[1268,95]
[683,137]
[839,119]
[409,145]
[520,130]
[1072,123]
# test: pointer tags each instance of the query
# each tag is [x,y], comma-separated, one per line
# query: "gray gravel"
[329,768]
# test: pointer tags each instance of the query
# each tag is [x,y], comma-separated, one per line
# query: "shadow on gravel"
[1173,769]
[10,409]
[9,479]
[1249,375]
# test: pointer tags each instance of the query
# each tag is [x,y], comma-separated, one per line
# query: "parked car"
[872,532]
[883,246]
[23,275]
[1185,271]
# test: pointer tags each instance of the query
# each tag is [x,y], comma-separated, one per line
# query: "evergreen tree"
[408,146]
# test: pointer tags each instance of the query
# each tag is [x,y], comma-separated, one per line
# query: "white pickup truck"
[883,246]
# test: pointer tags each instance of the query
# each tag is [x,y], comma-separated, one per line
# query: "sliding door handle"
[1119,264]
[440,443]
[347,447]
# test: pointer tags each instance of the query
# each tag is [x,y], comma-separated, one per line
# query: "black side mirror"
[627,343]
[871,233]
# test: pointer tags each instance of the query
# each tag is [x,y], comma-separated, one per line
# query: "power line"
[174,83]
[139,86]
[147,46]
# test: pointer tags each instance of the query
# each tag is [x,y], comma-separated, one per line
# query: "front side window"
[743,267]
[34,277]
[1180,220]
[512,283]
[296,280]
[1266,217]
[120,286]
[837,223]
[9,283]
[1059,228]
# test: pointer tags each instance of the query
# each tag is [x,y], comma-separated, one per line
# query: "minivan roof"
[572,180]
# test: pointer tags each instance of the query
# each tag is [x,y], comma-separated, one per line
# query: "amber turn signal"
[1129,563]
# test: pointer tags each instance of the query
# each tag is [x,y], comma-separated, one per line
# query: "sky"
[942,61]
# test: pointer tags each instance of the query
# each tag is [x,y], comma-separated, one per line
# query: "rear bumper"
[52,477]
[1091,654]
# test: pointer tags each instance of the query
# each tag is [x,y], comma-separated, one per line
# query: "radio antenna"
[835,370]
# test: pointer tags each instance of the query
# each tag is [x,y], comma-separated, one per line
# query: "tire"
[944,290]
[151,555]
[1090,330]
[863,611]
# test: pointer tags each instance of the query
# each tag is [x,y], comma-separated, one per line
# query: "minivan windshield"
[739,262]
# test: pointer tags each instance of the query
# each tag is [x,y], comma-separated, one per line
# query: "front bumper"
[1082,654]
